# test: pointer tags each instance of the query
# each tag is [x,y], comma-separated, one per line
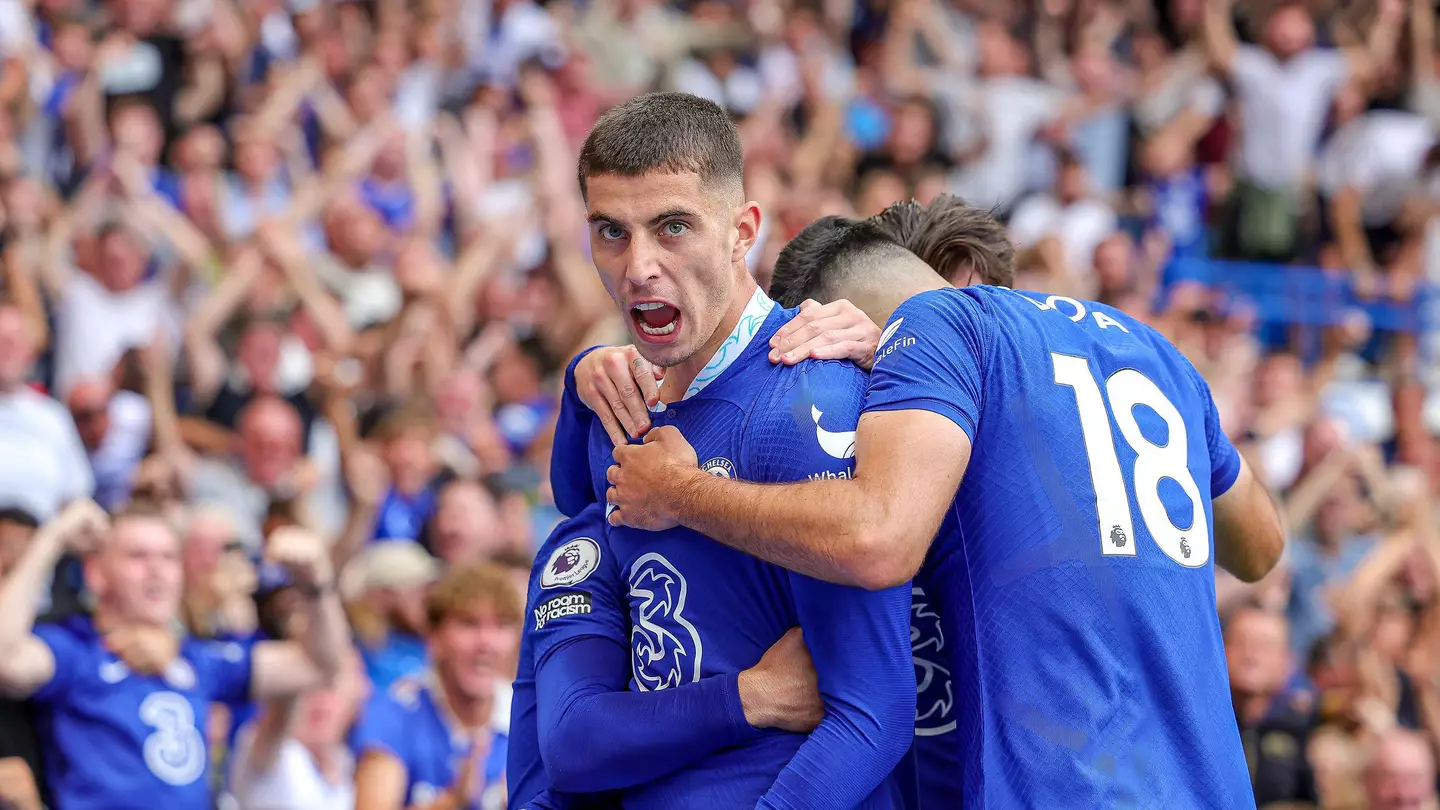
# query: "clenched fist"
[81,526]
[302,553]
[648,478]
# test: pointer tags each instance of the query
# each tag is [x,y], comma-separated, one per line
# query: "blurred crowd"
[273,265]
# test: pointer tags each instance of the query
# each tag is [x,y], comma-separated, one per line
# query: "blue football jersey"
[117,740]
[573,594]
[697,608]
[1074,576]
[408,722]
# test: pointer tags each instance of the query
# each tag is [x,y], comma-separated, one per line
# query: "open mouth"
[656,321]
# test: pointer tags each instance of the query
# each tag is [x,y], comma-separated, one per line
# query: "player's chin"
[663,354]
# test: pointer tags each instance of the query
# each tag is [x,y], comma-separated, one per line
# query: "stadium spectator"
[1274,728]
[155,686]
[1401,773]
[443,733]
[44,464]
[294,756]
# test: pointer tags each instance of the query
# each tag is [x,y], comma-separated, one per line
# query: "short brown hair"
[671,133]
[953,237]
[469,589]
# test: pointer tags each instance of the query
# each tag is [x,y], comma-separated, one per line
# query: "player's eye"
[611,232]
[674,228]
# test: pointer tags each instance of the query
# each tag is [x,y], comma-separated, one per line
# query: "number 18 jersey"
[1075,573]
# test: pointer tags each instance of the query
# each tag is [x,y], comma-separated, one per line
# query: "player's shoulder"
[72,635]
[795,393]
[43,409]
[944,311]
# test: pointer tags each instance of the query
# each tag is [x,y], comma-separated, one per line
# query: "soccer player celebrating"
[617,387]
[579,602]
[439,740]
[662,179]
[1075,564]
[123,739]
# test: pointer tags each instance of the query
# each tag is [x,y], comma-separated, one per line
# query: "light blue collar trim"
[751,319]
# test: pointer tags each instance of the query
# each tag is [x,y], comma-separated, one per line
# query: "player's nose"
[643,262]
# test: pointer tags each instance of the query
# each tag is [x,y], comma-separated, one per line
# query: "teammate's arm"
[871,532]
[581,697]
[861,644]
[27,663]
[569,458]
[912,447]
[1249,535]
[619,387]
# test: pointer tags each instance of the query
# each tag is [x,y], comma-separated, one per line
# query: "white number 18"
[1127,388]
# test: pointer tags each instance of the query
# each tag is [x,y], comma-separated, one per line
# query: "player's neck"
[879,301]
[678,377]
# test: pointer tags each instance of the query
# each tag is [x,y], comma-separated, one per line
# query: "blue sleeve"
[555,800]
[228,668]
[380,729]
[1224,458]
[858,639]
[569,454]
[577,592]
[932,358]
[581,697]
[69,653]
[860,642]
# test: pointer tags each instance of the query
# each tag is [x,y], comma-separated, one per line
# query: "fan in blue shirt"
[662,178]
[573,676]
[445,732]
[1075,564]
[116,737]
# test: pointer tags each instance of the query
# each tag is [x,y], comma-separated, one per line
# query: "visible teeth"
[649,305]
[657,331]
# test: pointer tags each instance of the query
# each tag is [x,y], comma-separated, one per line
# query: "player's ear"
[747,230]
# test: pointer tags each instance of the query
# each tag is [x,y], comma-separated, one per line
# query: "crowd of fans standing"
[305,265]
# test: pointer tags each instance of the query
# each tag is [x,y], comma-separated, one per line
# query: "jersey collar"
[756,310]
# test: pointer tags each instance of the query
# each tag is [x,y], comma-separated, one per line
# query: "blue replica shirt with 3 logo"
[117,740]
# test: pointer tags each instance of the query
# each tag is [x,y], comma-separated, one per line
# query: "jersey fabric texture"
[1074,576]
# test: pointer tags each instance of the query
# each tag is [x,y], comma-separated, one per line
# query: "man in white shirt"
[1366,174]
[1284,90]
[104,313]
[42,462]
[1072,216]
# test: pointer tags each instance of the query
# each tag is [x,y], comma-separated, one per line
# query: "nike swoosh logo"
[835,445]
[890,332]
